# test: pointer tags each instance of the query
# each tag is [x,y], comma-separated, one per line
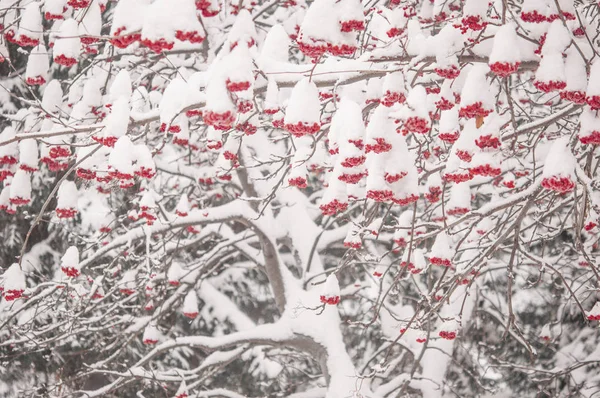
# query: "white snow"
[121,157]
[243,30]
[593,87]
[175,273]
[128,14]
[13,279]
[190,304]
[506,47]
[71,258]
[54,7]
[476,88]
[30,24]
[557,39]
[276,46]
[304,105]
[37,64]
[67,195]
[118,119]
[551,69]
[120,87]
[67,43]
[575,71]
[20,188]
[52,98]
[151,335]
[28,153]
[559,161]
[217,96]
[460,197]
[90,20]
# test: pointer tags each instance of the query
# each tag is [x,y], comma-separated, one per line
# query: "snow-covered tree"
[327,198]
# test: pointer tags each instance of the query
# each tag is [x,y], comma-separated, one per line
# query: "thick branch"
[235,211]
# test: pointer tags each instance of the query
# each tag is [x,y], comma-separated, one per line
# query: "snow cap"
[303,113]
[330,294]
[190,305]
[13,282]
[69,263]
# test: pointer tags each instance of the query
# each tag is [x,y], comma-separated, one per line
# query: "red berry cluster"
[443,262]
[444,104]
[318,48]
[576,97]
[220,121]
[558,184]
[191,315]
[299,182]
[351,178]
[192,36]
[7,159]
[26,41]
[380,195]
[591,139]
[333,207]
[159,45]
[474,110]
[464,155]
[70,271]
[353,161]
[79,3]
[533,17]
[13,294]
[447,335]
[434,194]
[392,178]
[394,32]
[247,128]
[36,81]
[450,72]
[590,225]
[473,22]
[66,213]
[458,177]
[244,106]
[391,97]
[488,141]
[172,128]
[125,40]
[411,267]
[457,211]
[330,300]
[145,172]
[237,86]
[593,101]
[416,124]
[62,59]
[353,245]
[405,201]
[381,146]
[552,85]
[504,69]
[349,26]
[449,137]
[206,8]
[486,170]
[19,201]
[301,129]
[49,16]
[106,141]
